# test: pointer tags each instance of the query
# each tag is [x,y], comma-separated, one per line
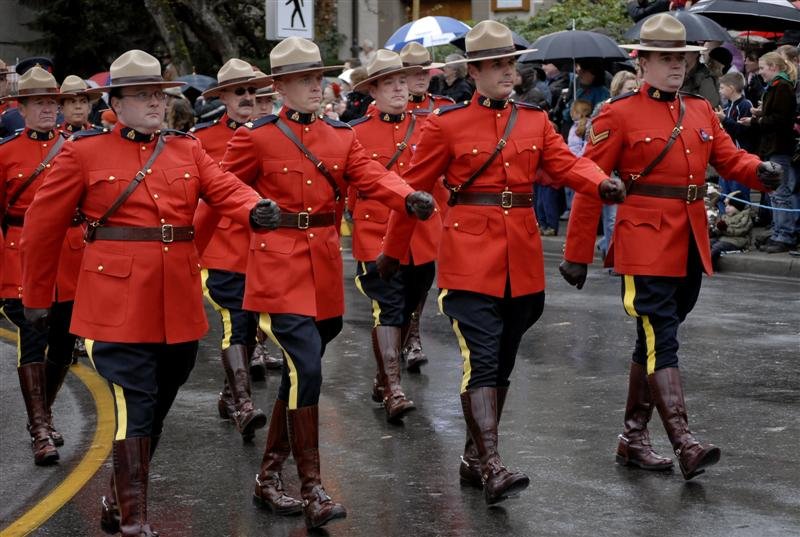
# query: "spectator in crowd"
[557,81]
[732,229]
[680,5]
[180,115]
[579,111]
[699,80]
[720,61]
[591,86]
[754,84]
[168,68]
[791,55]
[530,86]
[356,103]
[640,9]
[367,52]
[332,105]
[773,124]
[731,86]
[455,84]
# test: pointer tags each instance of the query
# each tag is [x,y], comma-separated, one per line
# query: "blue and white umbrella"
[428,32]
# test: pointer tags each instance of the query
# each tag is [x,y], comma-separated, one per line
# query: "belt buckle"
[303,220]
[506,199]
[691,193]
[167,233]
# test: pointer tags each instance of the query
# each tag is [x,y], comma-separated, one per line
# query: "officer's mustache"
[246,102]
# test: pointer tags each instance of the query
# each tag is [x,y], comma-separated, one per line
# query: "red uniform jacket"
[19,157]
[651,236]
[299,271]
[227,249]
[129,291]
[482,246]
[381,134]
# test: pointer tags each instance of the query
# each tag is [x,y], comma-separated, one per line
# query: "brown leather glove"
[574,273]
[612,190]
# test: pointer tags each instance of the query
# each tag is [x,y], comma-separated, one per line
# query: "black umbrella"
[573,45]
[772,15]
[199,82]
[520,43]
[698,27]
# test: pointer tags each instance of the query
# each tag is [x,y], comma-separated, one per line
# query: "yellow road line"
[95,456]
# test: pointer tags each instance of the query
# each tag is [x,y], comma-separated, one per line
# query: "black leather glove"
[38,317]
[420,204]
[574,273]
[265,214]
[387,266]
[770,174]
[613,190]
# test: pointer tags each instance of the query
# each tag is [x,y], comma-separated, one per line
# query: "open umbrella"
[573,45]
[773,15]
[698,27]
[428,32]
[520,43]
[199,82]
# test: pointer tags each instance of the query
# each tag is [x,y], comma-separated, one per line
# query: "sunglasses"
[241,91]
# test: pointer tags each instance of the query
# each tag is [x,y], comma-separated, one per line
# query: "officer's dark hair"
[114,93]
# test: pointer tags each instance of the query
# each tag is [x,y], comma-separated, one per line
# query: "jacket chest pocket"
[527,155]
[470,156]
[184,183]
[108,184]
[283,180]
[647,144]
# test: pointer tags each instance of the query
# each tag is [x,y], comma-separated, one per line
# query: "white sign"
[286,18]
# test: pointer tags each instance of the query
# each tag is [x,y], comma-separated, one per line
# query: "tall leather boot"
[693,456]
[246,417]
[269,490]
[318,507]
[131,473]
[470,468]
[54,374]
[480,413]
[262,356]
[32,381]
[386,345]
[225,405]
[634,448]
[412,350]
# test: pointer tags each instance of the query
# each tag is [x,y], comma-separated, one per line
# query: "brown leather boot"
[131,473]
[246,417]
[412,350]
[693,456]
[634,448]
[480,413]
[470,468]
[386,345]
[225,405]
[54,374]
[269,491]
[318,508]
[264,357]
[377,387]
[32,382]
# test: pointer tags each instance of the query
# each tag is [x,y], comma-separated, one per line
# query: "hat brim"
[55,95]
[165,84]
[262,95]
[495,57]
[258,82]
[276,76]
[685,48]
[79,93]
[400,71]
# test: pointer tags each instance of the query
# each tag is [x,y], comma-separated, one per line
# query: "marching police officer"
[494,297]
[76,104]
[138,302]
[44,356]
[660,141]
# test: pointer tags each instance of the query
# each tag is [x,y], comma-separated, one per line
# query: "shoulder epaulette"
[204,125]
[444,97]
[10,137]
[176,132]
[622,96]
[687,94]
[260,122]
[359,120]
[450,108]
[335,123]
[528,106]
[88,132]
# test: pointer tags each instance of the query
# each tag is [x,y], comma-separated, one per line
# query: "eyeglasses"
[241,91]
[147,96]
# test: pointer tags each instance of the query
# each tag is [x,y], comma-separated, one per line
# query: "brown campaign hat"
[415,54]
[297,55]
[135,68]
[236,73]
[663,33]
[385,63]
[489,40]
[75,86]
[36,82]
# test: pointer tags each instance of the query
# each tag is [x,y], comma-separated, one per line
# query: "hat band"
[292,67]
[31,91]
[477,54]
[662,44]
[123,80]
[423,64]
[236,80]
[386,70]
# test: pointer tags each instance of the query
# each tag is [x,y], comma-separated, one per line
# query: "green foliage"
[607,16]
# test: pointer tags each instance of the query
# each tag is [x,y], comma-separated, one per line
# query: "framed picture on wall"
[511,5]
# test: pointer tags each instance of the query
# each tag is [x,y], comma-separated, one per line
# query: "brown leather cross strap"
[284,128]
[687,194]
[165,233]
[39,169]
[506,199]
[402,145]
[306,220]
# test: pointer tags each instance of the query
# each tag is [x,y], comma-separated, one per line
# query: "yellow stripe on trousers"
[120,407]
[265,323]
[376,308]
[224,313]
[462,344]
[649,333]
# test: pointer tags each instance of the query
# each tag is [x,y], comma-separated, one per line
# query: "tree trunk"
[170,29]
[206,21]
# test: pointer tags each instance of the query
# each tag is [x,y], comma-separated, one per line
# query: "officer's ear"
[473,68]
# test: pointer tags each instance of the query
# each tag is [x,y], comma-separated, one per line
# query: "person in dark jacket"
[455,84]
[356,102]
[639,9]
[731,86]
[754,84]
[699,79]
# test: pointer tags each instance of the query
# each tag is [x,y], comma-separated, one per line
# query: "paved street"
[740,351]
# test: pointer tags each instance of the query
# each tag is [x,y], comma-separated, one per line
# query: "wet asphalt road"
[741,364]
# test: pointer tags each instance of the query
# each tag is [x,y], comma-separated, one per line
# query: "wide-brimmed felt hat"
[236,73]
[385,63]
[415,54]
[489,40]
[297,55]
[75,86]
[663,33]
[136,68]
[36,82]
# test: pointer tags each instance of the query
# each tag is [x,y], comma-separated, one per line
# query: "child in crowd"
[732,230]
[579,112]
[731,88]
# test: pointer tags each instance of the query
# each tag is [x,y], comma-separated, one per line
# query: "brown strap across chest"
[505,199]
[306,220]
[39,169]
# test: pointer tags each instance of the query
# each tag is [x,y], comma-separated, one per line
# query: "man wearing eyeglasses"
[225,259]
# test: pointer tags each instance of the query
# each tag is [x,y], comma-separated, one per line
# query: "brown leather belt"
[166,233]
[687,194]
[505,199]
[306,220]
[19,221]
